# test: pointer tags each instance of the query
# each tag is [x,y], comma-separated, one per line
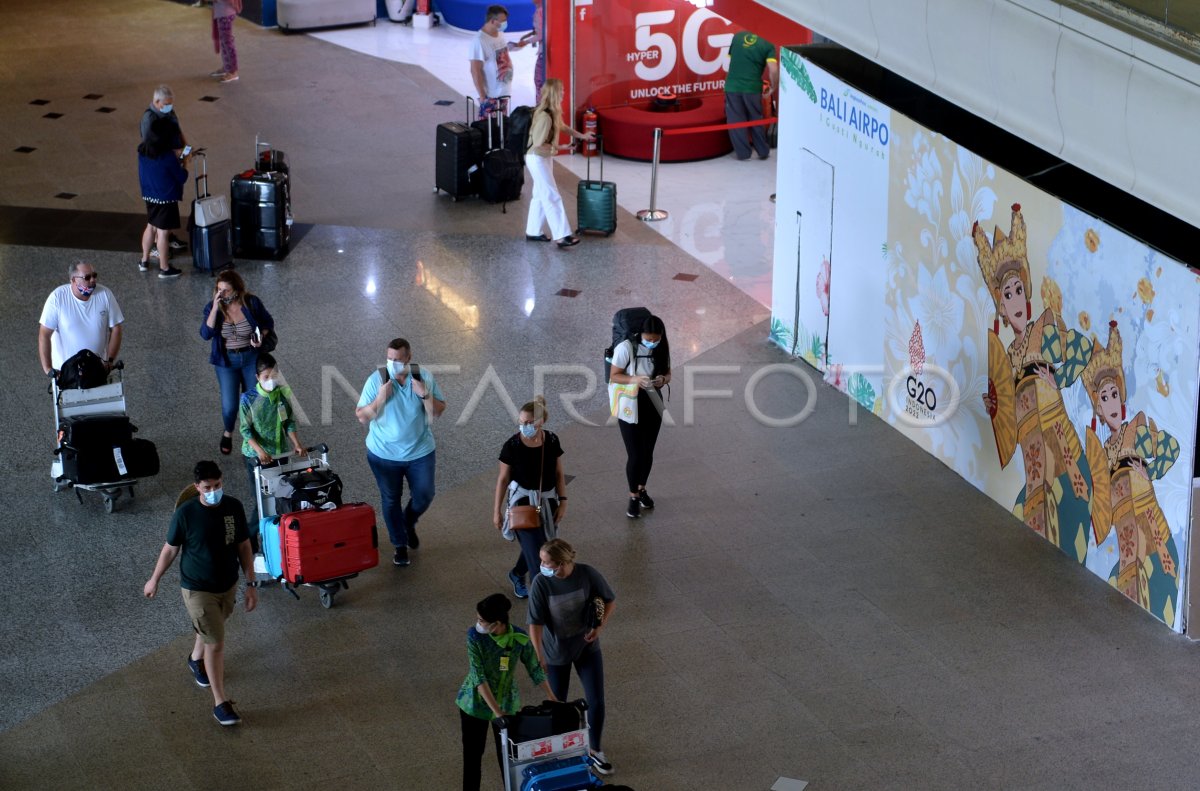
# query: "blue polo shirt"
[401,432]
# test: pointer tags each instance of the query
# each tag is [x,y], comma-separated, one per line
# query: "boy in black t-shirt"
[210,532]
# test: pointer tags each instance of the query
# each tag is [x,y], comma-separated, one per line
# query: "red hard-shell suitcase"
[324,545]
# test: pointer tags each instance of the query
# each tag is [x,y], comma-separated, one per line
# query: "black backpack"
[83,370]
[520,121]
[627,326]
[304,489]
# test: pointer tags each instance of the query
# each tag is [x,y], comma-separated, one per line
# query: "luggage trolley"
[269,563]
[107,400]
[545,748]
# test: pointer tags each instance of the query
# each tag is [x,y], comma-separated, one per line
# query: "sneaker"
[645,499]
[154,252]
[218,72]
[176,244]
[197,668]
[518,583]
[143,266]
[169,272]
[600,764]
[401,557]
[635,508]
[413,541]
[225,714]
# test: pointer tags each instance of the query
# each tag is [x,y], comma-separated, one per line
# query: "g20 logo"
[922,394]
[658,53]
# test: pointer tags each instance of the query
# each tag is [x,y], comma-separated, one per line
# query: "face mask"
[481,628]
[650,344]
[268,384]
[86,291]
[396,367]
[213,497]
[167,108]
[229,299]
[528,430]
[547,571]
[504,26]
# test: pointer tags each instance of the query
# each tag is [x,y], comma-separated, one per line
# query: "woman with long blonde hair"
[546,206]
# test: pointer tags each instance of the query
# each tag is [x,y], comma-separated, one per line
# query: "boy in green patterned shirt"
[267,423]
[494,649]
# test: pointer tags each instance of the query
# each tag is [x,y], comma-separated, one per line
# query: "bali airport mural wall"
[1048,358]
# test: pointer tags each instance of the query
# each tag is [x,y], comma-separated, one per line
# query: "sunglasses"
[90,278]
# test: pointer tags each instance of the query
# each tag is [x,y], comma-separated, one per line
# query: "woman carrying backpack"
[648,366]
[545,205]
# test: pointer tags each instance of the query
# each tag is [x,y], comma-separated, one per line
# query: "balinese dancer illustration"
[1024,398]
[1125,466]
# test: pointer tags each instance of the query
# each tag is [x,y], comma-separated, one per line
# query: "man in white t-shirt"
[491,66]
[79,315]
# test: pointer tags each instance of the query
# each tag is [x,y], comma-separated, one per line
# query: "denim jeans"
[590,667]
[390,476]
[234,380]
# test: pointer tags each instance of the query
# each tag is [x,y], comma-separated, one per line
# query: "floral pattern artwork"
[823,286]
[933,280]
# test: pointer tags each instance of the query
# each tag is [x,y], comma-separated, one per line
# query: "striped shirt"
[236,335]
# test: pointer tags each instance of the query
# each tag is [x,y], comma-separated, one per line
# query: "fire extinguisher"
[591,123]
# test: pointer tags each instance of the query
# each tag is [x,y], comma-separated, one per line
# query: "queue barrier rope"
[654,214]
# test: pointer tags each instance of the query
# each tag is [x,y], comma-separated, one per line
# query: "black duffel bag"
[307,489]
[82,371]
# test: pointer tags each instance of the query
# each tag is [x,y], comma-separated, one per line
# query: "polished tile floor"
[821,601]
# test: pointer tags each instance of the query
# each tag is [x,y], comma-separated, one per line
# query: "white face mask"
[482,629]
[268,385]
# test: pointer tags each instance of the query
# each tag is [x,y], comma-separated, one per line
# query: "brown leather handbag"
[529,517]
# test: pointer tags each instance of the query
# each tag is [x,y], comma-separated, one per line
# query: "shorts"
[208,612]
[163,216]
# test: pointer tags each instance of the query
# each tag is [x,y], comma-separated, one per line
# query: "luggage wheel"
[326,598]
[61,485]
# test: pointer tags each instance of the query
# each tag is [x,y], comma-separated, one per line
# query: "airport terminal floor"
[822,601]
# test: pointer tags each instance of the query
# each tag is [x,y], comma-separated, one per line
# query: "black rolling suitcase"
[262,206]
[210,231]
[597,201]
[456,167]
[503,170]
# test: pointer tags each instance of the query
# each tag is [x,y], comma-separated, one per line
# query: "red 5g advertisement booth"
[643,64]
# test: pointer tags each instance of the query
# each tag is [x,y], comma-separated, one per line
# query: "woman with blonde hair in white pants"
[546,206]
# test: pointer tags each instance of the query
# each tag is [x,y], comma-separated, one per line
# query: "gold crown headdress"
[1003,256]
[1104,365]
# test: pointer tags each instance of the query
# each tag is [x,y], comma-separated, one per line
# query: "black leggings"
[590,667]
[640,438]
[474,742]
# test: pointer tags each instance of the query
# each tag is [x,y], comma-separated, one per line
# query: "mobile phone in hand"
[186,150]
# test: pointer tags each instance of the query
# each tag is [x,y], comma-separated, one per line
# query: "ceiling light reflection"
[529,303]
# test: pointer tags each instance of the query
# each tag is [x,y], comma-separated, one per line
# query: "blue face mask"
[546,571]
[504,26]
[167,108]
[213,497]
[86,291]
[528,430]
[396,367]
[650,344]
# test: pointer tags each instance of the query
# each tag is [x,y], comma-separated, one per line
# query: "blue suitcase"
[272,549]
[565,774]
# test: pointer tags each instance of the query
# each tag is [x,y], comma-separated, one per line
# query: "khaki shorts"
[208,612]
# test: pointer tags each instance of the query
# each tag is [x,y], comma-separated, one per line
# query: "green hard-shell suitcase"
[597,200]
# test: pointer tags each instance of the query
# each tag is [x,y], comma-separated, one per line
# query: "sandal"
[226,445]
[570,241]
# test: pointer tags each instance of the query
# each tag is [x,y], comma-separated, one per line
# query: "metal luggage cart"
[107,399]
[266,483]
[521,749]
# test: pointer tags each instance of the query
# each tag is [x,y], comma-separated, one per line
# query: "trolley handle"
[282,458]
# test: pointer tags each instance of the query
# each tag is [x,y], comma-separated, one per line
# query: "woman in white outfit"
[546,205]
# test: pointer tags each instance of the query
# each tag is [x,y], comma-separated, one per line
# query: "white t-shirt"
[79,324]
[645,362]
[497,65]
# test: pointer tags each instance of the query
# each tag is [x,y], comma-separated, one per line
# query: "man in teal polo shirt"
[398,404]
[749,55]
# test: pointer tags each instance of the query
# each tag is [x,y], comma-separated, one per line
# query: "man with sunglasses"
[79,315]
